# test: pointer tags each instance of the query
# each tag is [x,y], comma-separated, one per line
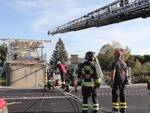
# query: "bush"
[140,78]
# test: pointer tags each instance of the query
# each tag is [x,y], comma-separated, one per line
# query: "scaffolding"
[25,65]
[24,49]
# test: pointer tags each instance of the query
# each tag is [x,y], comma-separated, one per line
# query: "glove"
[97,85]
[79,83]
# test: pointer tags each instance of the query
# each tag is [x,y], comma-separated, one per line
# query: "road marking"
[54,97]
[81,100]
[33,98]
[127,92]
[12,103]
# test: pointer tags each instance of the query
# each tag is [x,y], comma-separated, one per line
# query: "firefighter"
[74,80]
[71,79]
[118,77]
[89,81]
[62,70]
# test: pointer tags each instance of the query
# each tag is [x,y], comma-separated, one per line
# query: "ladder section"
[117,11]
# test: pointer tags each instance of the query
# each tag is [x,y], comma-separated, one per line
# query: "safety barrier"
[3,106]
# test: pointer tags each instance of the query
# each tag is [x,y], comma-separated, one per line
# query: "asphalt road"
[32,101]
[138,99]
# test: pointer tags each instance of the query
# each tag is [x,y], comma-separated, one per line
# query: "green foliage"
[141,72]
[140,58]
[143,59]
[3,52]
[106,55]
[146,58]
[140,64]
[2,81]
[59,54]
[106,59]
[130,61]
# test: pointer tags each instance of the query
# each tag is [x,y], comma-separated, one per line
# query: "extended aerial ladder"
[117,11]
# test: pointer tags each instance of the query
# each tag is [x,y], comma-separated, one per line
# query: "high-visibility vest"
[87,73]
[88,84]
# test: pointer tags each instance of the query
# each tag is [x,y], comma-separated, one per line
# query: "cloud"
[48,14]
[52,13]
[62,13]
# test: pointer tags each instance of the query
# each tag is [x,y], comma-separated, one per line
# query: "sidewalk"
[131,85]
[140,84]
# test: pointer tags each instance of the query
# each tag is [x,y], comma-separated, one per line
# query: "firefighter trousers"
[86,93]
[118,97]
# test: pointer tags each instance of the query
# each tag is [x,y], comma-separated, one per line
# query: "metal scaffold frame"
[23,46]
[117,11]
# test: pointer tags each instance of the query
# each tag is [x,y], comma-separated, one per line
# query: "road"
[31,101]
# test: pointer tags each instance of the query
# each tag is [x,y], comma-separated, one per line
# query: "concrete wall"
[27,74]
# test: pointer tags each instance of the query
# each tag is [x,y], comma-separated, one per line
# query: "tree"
[106,55]
[3,53]
[59,54]
[105,48]
[146,58]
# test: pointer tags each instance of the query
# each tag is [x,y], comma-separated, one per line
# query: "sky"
[31,19]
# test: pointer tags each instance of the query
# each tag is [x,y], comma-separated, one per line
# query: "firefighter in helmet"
[62,70]
[89,81]
[118,77]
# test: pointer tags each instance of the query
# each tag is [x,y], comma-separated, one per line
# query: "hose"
[34,103]
[72,104]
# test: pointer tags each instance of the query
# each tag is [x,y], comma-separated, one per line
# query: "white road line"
[127,92]
[12,103]
[33,98]
[55,97]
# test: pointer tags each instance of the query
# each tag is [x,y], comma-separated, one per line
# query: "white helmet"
[59,62]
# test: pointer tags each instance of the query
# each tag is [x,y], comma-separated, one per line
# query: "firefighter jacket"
[62,68]
[87,75]
[120,68]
